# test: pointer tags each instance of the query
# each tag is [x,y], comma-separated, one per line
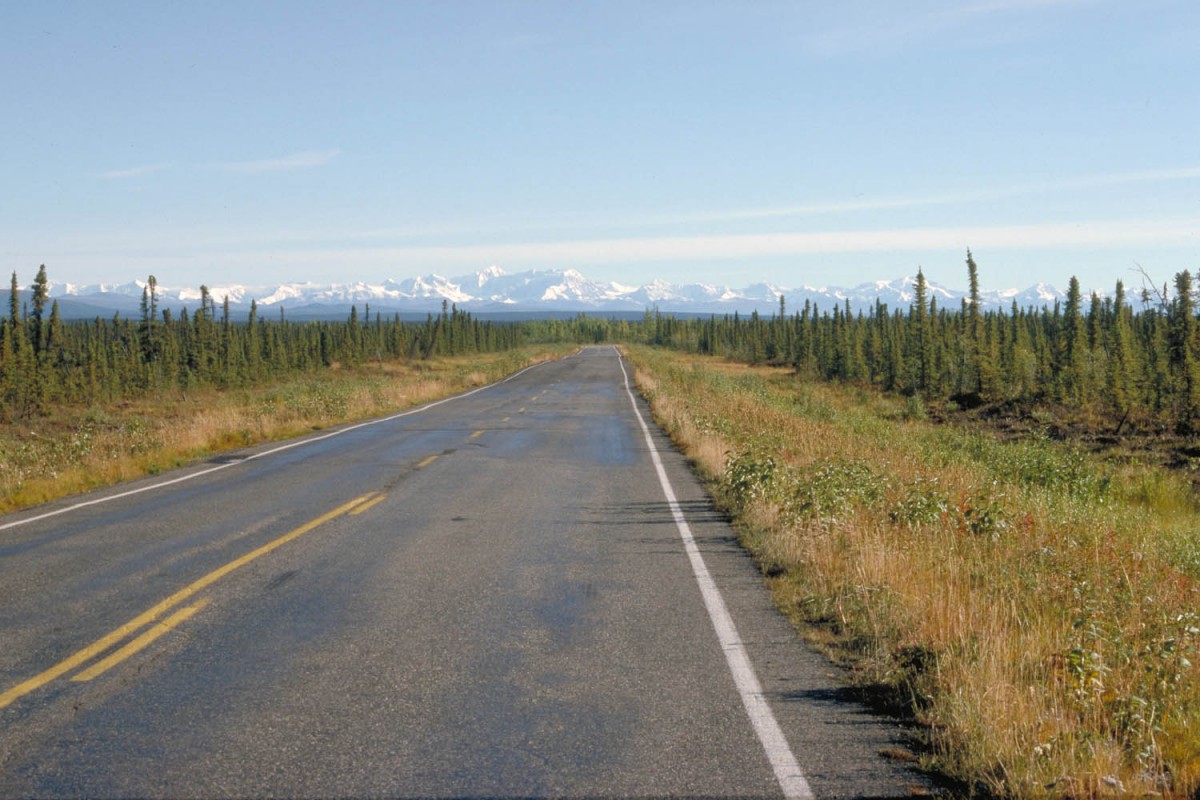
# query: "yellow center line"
[368,505]
[146,617]
[506,419]
[140,642]
[476,435]
[521,410]
[425,462]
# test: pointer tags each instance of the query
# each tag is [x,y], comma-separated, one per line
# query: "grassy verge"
[77,449]
[1034,607]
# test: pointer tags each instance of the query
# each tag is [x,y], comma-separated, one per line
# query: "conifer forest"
[1124,360]
[44,360]
[1128,361]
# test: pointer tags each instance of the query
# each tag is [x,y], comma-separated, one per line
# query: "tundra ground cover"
[1033,607]
[77,448]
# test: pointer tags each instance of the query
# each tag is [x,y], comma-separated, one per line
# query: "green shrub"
[919,504]
[832,489]
[750,476]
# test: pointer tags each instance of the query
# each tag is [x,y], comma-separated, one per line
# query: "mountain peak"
[552,289]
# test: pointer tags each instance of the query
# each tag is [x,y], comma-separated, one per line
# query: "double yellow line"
[152,615]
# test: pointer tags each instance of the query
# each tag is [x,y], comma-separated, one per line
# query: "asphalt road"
[490,596]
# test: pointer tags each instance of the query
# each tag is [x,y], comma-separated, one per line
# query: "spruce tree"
[14,304]
[974,325]
[919,344]
[41,292]
[1072,345]
[1119,335]
[1182,355]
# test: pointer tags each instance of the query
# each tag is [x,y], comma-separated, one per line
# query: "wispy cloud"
[133,172]
[995,6]
[895,27]
[306,159]
[1095,233]
[781,212]
[545,225]
[1120,178]
[802,253]
[1067,184]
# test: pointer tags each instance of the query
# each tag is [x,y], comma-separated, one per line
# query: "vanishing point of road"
[518,591]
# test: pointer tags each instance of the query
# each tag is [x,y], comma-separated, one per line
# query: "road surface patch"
[151,615]
[141,642]
[787,770]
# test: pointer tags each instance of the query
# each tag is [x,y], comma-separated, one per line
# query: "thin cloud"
[1096,233]
[946,198]
[831,207]
[306,159]
[1068,184]
[906,28]
[915,245]
[542,246]
[1097,181]
[134,172]
[995,6]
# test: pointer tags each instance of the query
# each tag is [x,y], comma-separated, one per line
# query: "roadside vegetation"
[45,362]
[1089,369]
[991,517]
[1033,606]
[89,404]
[81,447]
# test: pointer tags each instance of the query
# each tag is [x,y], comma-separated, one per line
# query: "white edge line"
[264,454]
[779,753]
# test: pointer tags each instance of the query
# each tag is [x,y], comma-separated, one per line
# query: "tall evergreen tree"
[974,325]
[1118,388]
[1183,358]
[919,339]
[41,293]
[14,304]
[1072,346]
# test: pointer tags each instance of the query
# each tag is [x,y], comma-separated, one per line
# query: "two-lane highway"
[520,591]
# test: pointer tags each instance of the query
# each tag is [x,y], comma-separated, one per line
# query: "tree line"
[45,360]
[1088,352]
[1093,353]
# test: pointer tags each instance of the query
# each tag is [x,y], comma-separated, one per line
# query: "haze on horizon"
[727,143]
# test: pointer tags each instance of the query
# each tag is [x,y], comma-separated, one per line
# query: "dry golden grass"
[1038,608]
[77,449]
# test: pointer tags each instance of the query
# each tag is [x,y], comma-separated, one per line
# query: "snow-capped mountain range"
[493,290]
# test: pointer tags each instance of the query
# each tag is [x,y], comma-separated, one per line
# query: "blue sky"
[792,142]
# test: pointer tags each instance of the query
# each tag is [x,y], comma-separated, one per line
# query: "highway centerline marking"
[475,435]
[368,505]
[425,462]
[787,770]
[150,615]
[141,642]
